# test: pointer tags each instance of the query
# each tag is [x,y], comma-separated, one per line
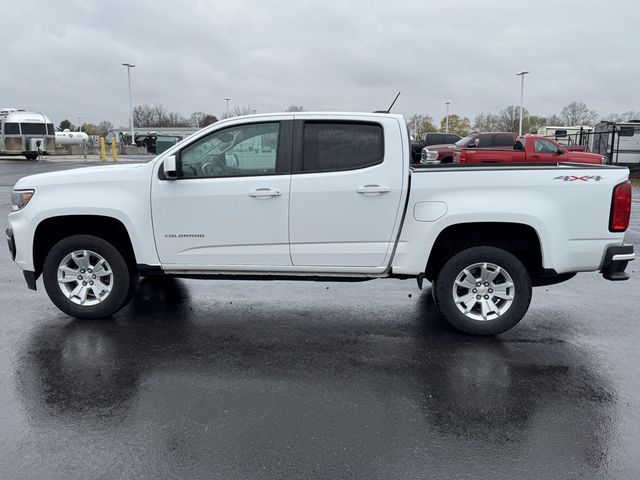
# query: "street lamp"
[446,128]
[129,67]
[521,75]
[227,99]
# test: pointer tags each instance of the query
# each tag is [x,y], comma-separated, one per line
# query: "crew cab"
[320,196]
[436,154]
[527,149]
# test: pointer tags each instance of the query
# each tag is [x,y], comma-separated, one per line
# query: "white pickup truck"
[320,196]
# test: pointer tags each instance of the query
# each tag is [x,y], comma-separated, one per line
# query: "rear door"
[346,191]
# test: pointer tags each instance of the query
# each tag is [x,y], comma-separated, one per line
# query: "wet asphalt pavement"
[247,380]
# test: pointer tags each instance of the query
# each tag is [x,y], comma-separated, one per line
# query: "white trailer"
[25,133]
[577,135]
[618,141]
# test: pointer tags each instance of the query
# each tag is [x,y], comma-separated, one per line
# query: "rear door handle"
[264,192]
[373,189]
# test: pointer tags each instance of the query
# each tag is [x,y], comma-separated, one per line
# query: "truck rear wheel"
[483,290]
[87,277]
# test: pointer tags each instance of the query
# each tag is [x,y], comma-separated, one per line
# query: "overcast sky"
[64,58]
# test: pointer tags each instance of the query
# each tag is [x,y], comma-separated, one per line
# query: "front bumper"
[616,259]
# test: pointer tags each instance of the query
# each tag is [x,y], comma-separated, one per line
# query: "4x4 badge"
[583,178]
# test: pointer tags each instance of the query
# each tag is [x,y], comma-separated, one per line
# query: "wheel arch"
[521,240]
[53,229]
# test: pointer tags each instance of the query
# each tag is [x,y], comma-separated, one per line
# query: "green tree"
[420,125]
[533,124]
[457,124]
[66,124]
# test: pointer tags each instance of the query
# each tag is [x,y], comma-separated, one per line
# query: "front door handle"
[264,192]
[373,189]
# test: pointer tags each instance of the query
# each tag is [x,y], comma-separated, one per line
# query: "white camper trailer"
[25,133]
[567,135]
[618,141]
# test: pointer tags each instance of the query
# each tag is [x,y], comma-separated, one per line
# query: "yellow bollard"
[114,154]
[103,150]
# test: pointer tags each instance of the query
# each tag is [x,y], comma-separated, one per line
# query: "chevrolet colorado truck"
[320,196]
[527,149]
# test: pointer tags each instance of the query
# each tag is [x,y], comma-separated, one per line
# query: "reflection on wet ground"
[367,395]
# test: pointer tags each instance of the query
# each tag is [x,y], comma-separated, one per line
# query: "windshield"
[464,140]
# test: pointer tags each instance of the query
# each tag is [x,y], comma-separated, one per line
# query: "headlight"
[20,198]
[429,157]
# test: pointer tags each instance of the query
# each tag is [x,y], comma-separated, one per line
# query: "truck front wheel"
[483,290]
[87,277]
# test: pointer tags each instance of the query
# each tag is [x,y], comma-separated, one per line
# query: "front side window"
[238,151]
[11,128]
[484,141]
[544,146]
[330,146]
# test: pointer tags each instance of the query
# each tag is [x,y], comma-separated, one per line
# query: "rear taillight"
[463,157]
[620,207]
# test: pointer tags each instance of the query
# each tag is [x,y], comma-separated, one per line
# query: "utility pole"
[521,75]
[446,128]
[129,67]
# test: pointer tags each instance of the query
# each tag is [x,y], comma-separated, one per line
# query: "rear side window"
[11,128]
[503,140]
[331,146]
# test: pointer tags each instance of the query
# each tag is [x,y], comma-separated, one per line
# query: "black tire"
[121,277]
[495,321]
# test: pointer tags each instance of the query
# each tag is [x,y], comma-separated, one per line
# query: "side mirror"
[560,151]
[170,168]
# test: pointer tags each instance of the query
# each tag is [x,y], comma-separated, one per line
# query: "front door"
[229,206]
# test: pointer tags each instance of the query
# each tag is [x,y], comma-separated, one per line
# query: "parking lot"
[200,379]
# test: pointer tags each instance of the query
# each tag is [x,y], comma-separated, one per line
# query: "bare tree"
[577,113]
[295,108]
[509,118]
[157,116]
[623,117]
[486,122]
[555,120]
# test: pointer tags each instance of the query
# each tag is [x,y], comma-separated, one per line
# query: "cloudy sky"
[64,58]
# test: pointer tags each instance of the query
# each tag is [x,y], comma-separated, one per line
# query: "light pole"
[129,67]
[227,99]
[521,75]
[446,128]
[79,123]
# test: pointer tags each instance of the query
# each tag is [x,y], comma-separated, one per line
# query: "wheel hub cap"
[483,291]
[85,278]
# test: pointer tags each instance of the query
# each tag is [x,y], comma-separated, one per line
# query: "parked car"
[527,149]
[437,154]
[336,201]
[431,139]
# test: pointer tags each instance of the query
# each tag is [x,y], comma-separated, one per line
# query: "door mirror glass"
[170,168]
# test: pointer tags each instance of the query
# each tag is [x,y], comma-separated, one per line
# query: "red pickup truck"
[527,149]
